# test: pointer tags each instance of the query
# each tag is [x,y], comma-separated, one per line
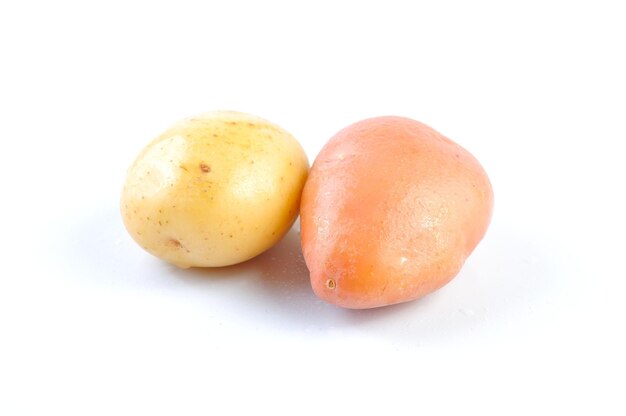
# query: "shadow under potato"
[279,275]
[278,282]
[273,288]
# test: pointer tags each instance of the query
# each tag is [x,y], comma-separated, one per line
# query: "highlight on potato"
[214,190]
[390,212]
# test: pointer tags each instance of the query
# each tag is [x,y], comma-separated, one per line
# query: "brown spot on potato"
[174,243]
[205,168]
[330,284]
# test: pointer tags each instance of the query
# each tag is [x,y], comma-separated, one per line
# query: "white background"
[534,323]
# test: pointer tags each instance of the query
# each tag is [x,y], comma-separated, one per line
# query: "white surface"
[90,324]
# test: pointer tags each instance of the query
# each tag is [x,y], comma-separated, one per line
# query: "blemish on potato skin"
[205,168]
[330,284]
[174,243]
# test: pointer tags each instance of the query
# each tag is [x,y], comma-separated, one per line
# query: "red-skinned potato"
[390,212]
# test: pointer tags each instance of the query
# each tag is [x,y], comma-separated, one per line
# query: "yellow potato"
[214,190]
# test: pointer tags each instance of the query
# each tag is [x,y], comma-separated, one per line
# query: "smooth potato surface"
[390,212]
[214,190]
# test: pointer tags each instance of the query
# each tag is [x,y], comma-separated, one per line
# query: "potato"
[390,212]
[214,190]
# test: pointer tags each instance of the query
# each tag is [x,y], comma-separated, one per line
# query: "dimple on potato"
[214,190]
[390,212]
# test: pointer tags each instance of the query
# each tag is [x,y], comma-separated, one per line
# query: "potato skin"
[214,190]
[390,212]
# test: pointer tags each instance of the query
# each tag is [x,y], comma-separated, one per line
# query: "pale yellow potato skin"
[214,190]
